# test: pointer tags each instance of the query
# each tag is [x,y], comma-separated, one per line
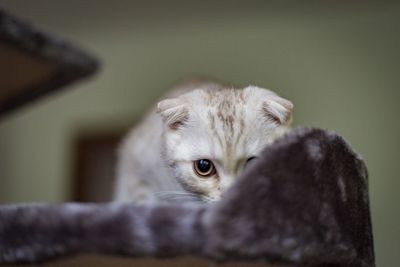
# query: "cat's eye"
[204,168]
[250,159]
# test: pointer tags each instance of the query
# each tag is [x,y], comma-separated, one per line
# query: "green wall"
[338,63]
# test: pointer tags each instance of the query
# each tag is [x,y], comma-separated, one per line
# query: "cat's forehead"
[219,109]
[217,105]
[221,122]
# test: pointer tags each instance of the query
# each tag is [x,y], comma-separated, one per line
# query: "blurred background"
[338,61]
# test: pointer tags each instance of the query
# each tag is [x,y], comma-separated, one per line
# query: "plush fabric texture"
[304,202]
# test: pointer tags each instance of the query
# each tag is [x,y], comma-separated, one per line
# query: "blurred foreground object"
[34,63]
[304,202]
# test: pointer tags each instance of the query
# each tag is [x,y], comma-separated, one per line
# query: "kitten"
[196,142]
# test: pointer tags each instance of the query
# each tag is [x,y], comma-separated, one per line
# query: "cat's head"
[210,135]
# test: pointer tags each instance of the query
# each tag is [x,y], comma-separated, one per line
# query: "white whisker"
[175,193]
[175,196]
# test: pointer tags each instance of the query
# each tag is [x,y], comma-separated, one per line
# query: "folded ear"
[273,107]
[278,109]
[174,112]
